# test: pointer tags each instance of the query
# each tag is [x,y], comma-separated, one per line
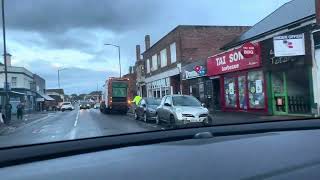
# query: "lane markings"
[76,122]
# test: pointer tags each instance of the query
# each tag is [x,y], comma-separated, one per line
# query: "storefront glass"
[242,92]
[256,90]
[230,92]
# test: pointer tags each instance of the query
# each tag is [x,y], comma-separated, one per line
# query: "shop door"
[279,93]
[242,89]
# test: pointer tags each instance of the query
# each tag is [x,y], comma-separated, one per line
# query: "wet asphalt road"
[73,125]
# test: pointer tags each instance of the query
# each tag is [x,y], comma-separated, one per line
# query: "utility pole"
[7,110]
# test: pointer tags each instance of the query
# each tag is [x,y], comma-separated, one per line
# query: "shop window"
[230,92]
[242,92]
[256,90]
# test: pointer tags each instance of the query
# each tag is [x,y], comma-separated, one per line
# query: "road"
[74,124]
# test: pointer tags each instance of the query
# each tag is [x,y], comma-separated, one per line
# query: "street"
[68,125]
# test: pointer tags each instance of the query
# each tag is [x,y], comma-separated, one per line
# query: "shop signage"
[248,50]
[194,70]
[245,57]
[289,45]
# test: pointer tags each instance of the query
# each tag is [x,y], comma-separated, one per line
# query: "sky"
[46,35]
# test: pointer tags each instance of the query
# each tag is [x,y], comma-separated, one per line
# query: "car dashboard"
[272,155]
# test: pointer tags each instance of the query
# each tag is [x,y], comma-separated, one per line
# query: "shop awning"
[12,93]
[46,97]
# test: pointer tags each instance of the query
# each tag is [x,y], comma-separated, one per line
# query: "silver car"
[178,110]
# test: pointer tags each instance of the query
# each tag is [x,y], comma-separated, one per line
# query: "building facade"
[164,60]
[273,67]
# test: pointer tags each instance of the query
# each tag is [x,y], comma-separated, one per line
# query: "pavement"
[220,117]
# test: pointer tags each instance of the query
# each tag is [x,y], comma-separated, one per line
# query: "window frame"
[175,52]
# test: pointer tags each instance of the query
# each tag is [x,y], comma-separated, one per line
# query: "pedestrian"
[20,111]
[136,102]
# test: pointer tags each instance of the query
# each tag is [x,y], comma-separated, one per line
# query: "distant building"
[23,86]
[57,94]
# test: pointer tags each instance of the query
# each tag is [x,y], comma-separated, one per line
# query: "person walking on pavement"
[20,111]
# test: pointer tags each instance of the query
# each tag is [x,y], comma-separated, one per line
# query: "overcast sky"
[44,35]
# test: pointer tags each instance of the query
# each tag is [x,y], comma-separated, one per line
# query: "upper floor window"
[154,63]
[13,81]
[148,65]
[173,52]
[163,57]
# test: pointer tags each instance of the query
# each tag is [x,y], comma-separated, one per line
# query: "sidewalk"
[220,117]
[27,118]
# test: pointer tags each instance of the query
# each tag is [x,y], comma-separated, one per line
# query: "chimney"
[8,59]
[147,41]
[138,52]
[317,8]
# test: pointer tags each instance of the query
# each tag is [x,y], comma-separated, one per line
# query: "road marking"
[76,122]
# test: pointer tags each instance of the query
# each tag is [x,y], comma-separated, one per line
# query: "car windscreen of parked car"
[185,101]
[152,101]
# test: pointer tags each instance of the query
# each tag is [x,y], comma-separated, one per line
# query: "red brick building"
[164,60]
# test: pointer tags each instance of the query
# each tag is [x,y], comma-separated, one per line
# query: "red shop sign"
[245,57]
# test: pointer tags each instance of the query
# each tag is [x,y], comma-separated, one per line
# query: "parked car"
[67,106]
[96,106]
[84,105]
[178,110]
[146,109]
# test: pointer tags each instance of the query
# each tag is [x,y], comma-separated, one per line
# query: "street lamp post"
[59,76]
[118,55]
[5,63]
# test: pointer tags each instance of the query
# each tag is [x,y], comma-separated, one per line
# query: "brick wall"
[202,42]
[192,43]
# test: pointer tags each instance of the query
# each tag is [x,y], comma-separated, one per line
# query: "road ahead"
[73,125]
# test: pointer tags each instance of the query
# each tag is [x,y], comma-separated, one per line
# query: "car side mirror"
[203,105]
[167,104]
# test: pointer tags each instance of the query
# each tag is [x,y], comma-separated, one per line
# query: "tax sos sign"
[245,57]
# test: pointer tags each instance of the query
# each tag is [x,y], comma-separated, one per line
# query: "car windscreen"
[66,103]
[152,101]
[185,101]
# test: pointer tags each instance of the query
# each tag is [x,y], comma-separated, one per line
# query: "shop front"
[193,80]
[288,67]
[242,80]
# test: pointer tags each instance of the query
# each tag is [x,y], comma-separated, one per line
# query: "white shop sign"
[289,45]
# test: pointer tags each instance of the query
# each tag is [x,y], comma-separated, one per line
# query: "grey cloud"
[61,15]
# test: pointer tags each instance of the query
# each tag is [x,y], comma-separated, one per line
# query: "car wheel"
[158,119]
[172,122]
[145,118]
[136,117]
